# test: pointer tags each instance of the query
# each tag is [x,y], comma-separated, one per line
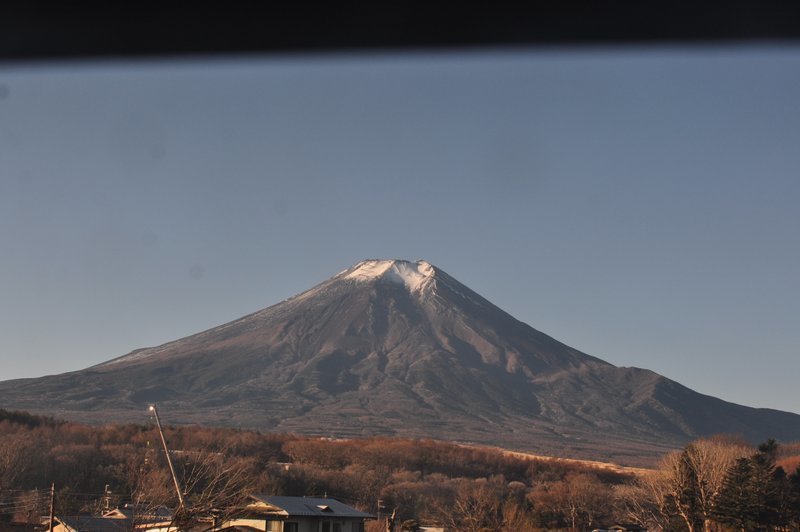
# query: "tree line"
[711,484]
[718,484]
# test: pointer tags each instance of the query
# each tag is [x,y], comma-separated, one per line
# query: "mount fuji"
[391,347]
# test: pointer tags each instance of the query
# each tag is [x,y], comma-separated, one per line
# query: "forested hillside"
[464,488]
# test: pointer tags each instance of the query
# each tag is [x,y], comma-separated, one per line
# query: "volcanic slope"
[391,347]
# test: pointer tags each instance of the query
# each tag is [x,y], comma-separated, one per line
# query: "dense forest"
[712,484]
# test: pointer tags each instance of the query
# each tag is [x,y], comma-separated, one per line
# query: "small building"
[272,513]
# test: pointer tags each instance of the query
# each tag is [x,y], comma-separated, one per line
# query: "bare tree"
[16,457]
[151,487]
[580,498]
[30,506]
[646,501]
[685,486]
[213,481]
[680,481]
[516,517]
[709,460]
[477,507]
[214,486]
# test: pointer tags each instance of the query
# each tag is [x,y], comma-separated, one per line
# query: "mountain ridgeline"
[391,347]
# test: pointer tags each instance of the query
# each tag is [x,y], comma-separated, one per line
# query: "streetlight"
[154,410]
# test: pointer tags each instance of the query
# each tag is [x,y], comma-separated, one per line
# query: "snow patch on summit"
[414,275]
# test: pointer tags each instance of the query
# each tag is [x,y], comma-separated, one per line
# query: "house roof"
[309,507]
[622,527]
[84,523]
[140,512]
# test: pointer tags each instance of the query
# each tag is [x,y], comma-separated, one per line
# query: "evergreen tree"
[686,497]
[754,493]
[767,485]
[735,503]
[793,500]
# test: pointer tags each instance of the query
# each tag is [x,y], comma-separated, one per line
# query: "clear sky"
[641,205]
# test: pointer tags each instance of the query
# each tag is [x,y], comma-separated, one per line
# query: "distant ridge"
[392,347]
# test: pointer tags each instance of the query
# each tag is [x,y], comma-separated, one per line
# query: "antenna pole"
[154,410]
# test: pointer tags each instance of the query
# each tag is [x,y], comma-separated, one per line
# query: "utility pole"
[52,504]
[106,498]
[154,410]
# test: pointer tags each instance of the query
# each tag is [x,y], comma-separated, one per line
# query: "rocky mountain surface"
[399,348]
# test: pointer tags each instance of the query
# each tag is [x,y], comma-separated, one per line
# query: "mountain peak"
[414,275]
[403,348]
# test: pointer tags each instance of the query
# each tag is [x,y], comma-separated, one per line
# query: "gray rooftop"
[83,523]
[312,506]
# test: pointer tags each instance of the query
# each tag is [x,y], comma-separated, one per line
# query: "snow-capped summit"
[414,275]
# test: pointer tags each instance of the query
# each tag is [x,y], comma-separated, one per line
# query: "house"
[145,518]
[263,513]
[125,519]
[272,513]
[86,523]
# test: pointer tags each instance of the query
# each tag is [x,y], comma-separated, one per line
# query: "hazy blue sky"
[639,205]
